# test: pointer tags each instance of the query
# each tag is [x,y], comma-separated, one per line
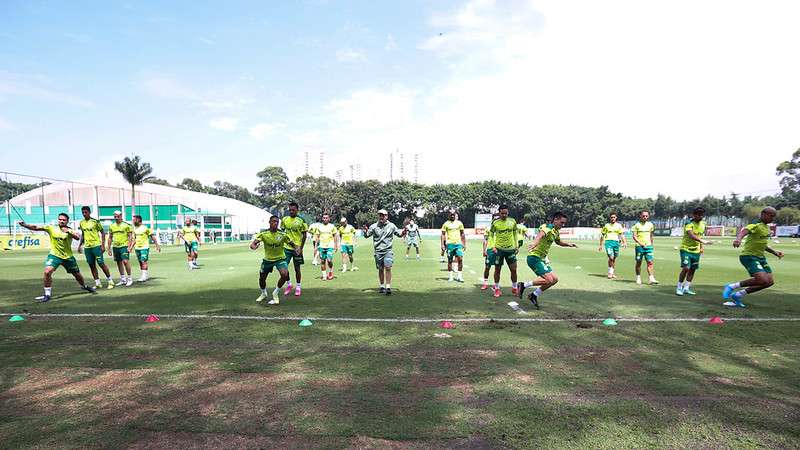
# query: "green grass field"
[120,382]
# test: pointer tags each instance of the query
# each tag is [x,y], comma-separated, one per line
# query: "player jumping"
[275,242]
[539,248]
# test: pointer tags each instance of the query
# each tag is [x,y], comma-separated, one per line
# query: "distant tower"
[322,164]
[352,173]
[416,167]
[306,163]
[358,172]
[402,168]
[391,167]
[338,176]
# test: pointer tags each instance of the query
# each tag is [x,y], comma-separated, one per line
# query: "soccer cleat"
[460,279]
[297,292]
[353,269]
[653,281]
[485,286]
[514,290]
[688,291]
[388,291]
[609,276]
[382,290]
[520,289]
[734,303]
[43,298]
[330,275]
[344,269]
[142,280]
[679,291]
[274,301]
[614,276]
[638,280]
[261,298]
[288,289]
[534,299]
[727,291]
[450,279]
[497,293]
[110,286]
[121,282]
[129,282]
[89,289]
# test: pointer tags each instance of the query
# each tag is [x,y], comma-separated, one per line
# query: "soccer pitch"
[201,382]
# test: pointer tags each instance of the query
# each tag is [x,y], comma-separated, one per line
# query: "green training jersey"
[489,236]
[551,234]
[274,243]
[505,233]
[612,231]
[522,231]
[119,233]
[688,244]
[295,228]
[643,232]
[60,242]
[325,235]
[189,233]
[452,230]
[756,241]
[141,235]
[91,229]
[348,234]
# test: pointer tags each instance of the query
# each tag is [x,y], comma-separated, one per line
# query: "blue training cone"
[306,323]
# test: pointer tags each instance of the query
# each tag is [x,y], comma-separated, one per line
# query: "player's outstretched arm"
[254,245]
[774,252]
[740,236]
[155,241]
[30,227]
[566,244]
[697,238]
[71,232]
[535,242]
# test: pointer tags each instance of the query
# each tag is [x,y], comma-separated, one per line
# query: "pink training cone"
[447,324]
[152,318]
[716,320]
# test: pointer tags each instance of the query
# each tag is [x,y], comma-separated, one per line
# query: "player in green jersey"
[488,253]
[504,232]
[312,231]
[548,235]
[690,251]
[61,237]
[327,237]
[454,243]
[190,236]
[120,242]
[642,233]
[93,246]
[522,233]
[297,229]
[753,259]
[142,237]
[347,233]
[611,235]
[274,242]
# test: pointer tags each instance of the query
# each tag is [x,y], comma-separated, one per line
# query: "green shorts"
[191,247]
[538,266]
[298,259]
[70,264]
[347,248]
[644,252]
[509,256]
[267,266]
[454,250]
[491,258]
[612,248]
[690,260]
[120,253]
[94,255]
[755,264]
[142,255]
[326,253]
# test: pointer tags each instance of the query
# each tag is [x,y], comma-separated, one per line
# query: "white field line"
[395,320]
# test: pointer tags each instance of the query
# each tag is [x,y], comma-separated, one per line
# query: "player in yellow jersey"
[690,251]
[93,246]
[274,258]
[142,237]
[297,229]
[753,259]
[642,233]
[488,253]
[347,233]
[327,238]
[61,237]
[504,232]
[190,236]
[120,241]
[522,233]
[547,235]
[611,235]
[312,231]
[454,242]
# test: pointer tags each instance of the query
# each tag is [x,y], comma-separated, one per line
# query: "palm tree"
[135,172]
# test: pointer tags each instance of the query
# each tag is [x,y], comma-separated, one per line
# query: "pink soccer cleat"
[497,293]
[288,289]
[297,292]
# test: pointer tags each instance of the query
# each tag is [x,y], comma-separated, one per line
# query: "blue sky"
[479,89]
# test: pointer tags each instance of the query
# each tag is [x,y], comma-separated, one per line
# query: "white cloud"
[168,87]
[224,123]
[38,87]
[350,55]
[263,130]
[373,110]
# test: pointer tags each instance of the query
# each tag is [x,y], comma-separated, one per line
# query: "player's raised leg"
[539,249]
[297,229]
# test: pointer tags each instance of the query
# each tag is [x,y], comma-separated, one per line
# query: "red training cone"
[716,320]
[447,324]
[152,318]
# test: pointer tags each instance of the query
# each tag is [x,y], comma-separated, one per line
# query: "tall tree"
[190,184]
[135,172]
[789,171]
[273,185]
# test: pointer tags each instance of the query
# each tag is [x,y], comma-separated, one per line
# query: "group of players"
[284,240]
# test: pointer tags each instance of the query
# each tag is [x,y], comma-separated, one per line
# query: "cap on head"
[343,219]
[383,211]
[117,213]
